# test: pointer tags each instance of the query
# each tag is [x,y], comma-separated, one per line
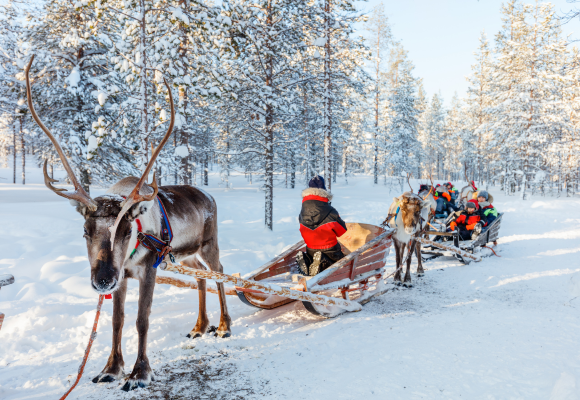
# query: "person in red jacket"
[469,221]
[443,199]
[320,225]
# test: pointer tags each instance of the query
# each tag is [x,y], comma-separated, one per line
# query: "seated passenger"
[320,225]
[488,210]
[468,222]
[444,204]
[452,191]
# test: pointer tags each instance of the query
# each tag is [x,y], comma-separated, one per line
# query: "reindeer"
[409,214]
[115,222]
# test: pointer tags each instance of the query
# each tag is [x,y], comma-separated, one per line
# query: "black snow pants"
[329,256]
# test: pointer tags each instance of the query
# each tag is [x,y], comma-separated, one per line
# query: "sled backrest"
[490,234]
[357,235]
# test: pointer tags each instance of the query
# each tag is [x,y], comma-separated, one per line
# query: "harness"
[150,242]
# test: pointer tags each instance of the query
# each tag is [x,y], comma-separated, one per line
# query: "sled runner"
[357,277]
[464,250]
[5,280]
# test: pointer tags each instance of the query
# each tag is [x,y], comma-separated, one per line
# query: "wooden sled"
[344,286]
[357,277]
[465,250]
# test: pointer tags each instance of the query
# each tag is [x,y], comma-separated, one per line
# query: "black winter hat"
[317,182]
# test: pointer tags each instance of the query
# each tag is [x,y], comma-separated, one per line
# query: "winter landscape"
[253,126]
[504,328]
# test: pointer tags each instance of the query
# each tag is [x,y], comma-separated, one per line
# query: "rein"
[88,349]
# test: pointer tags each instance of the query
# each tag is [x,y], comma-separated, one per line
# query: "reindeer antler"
[135,197]
[468,181]
[432,184]
[79,194]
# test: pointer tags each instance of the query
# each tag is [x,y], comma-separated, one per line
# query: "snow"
[74,78]
[320,42]
[181,151]
[502,328]
[93,144]
[102,97]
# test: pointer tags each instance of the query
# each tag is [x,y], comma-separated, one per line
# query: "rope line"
[88,349]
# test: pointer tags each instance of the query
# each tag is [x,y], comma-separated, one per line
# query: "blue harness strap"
[152,243]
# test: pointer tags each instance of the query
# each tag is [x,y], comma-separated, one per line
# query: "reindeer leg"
[142,374]
[224,328]
[210,254]
[420,270]
[202,320]
[114,368]
[407,280]
[399,249]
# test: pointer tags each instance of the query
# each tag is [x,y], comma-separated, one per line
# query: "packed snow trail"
[502,328]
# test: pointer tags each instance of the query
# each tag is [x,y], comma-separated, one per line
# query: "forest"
[281,90]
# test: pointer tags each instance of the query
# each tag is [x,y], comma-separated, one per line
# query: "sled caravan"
[137,229]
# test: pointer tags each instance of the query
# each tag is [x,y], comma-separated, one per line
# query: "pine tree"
[70,69]
[402,146]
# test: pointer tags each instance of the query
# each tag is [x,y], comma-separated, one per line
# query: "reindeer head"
[107,218]
[410,209]
[106,261]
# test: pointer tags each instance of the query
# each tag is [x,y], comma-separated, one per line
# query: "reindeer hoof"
[109,375]
[223,335]
[194,335]
[133,383]
[103,378]
[407,284]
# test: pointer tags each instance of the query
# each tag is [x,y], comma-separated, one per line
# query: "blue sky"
[441,36]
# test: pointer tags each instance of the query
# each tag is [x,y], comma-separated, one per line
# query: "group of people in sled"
[477,214]
[321,225]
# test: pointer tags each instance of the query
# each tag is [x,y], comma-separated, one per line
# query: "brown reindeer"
[409,214]
[111,233]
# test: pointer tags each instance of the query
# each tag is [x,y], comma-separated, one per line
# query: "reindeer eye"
[86,234]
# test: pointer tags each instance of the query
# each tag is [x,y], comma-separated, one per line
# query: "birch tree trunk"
[23,148]
[269,137]
[14,149]
[143,88]
[327,127]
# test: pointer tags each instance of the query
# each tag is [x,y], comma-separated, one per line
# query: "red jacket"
[320,223]
[467,221]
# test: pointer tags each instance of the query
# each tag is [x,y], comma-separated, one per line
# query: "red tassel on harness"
[108,296]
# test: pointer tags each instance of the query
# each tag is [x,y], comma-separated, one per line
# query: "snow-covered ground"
[505,328]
